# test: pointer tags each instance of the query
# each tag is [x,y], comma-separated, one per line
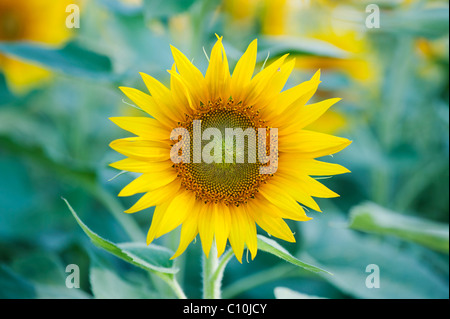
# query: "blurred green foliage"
[394,206]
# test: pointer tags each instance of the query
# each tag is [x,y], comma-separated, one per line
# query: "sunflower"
[40,21]
[226,199]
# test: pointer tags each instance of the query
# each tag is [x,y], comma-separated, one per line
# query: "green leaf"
[108,283]
[278,45]
[46,273]
[21,127]
[152,258]
[272,247]
[286,293]
[40,267]
[347,253]
[373,218]
[71,59]
[5,95]
[14,286]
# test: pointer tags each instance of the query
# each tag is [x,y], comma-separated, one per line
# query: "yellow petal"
[189,229]
[289,163]
[176,213]
[296,190]
[249,229]
[272,225]
[317,189]
[237,232]
[156,197]
[145,127]
[133,165]
[307,114]
[206,227]
[156,88]
[242,231]
[293,98]
[261,82]
[181,95]
[136,147]
[280,203]
[156,219]
[222,221]
[277,83]
[218,74]
[170,215]
[148,105]
[194,79]
[301,93]
[162,96]
[331,122]
[147,182]
[310,144]
[314,187]
[243,71]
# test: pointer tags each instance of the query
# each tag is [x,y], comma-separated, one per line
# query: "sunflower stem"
[211,282]
[173,283]
[218,274]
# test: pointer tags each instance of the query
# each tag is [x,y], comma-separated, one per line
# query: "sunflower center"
[231,172]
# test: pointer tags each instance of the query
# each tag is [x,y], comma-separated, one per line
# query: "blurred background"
[59,85]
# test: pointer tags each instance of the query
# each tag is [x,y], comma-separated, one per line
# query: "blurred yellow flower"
[42,21]
[356,65]
[312,20]
[274,17]
[241,9]
[279,12]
